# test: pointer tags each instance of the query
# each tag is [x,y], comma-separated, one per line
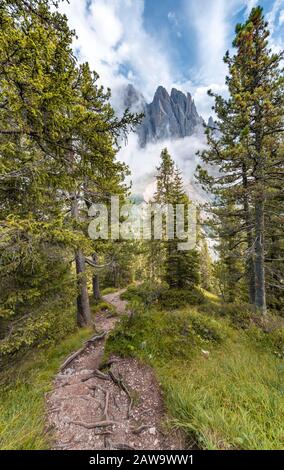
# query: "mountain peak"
[167,116]
[161,92]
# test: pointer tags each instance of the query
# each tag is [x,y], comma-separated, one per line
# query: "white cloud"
[172,17]
[275,19]
[111,34]
[143,162]
[211,22]
[250,4]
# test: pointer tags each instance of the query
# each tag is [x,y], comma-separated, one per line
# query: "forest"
[122,343]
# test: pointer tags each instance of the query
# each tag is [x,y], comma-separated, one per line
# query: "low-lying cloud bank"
[144,161]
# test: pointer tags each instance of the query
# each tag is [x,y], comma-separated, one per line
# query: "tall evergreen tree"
[181,267]
[58,143]
[246,151]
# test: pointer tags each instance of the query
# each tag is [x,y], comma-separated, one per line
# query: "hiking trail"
[119,407]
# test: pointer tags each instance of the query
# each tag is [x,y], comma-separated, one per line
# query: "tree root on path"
[107,364]
[96,373]
[119,382]
[140,428]
[97,424]
[106,405]
[123,446]
[77,353]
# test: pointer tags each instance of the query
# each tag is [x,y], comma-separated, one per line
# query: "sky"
[173,43]
[164,42]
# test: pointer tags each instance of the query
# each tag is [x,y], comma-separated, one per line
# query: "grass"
[231,400]
[23,389]
[109,290]
[22,408]
[234,400]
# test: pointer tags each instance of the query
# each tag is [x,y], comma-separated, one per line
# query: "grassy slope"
[233,399]
[23,389]
[22,399]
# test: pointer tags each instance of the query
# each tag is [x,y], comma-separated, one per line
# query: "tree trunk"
[96,282]
[260,292]
[83,304]
[260,297]
[250,242]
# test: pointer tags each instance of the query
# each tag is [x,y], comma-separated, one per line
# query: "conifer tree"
[58,143]
[181,267]
[246,149]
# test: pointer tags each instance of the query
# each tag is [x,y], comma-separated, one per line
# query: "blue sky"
[164,42]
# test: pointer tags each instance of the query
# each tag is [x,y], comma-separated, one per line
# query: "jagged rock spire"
[168,116]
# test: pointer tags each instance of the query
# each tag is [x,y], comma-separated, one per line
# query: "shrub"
[240,314]
[148,293]
[172,299]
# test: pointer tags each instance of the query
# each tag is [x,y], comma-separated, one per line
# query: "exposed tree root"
[140,429]
[106,405]
[81,350]
[123,446]
[95,373]
[119,382]
[97,424]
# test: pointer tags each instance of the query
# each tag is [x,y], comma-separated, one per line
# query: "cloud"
[172,17]
[112,38]
[211,22]
[143,162]
[275,19]
[250,5]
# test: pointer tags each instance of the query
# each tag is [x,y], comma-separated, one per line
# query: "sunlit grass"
[232,398]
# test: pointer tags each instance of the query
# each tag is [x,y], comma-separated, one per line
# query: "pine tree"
[181,267]
[58,144]
[246,151]
[206,276]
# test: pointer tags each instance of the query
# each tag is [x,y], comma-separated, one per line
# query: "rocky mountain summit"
[168,116]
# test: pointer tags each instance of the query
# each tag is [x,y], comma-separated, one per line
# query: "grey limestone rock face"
[168,116]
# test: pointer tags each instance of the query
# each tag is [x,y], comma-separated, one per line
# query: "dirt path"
[118,409]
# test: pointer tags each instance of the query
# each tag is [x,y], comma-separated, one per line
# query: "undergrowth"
[221,374]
